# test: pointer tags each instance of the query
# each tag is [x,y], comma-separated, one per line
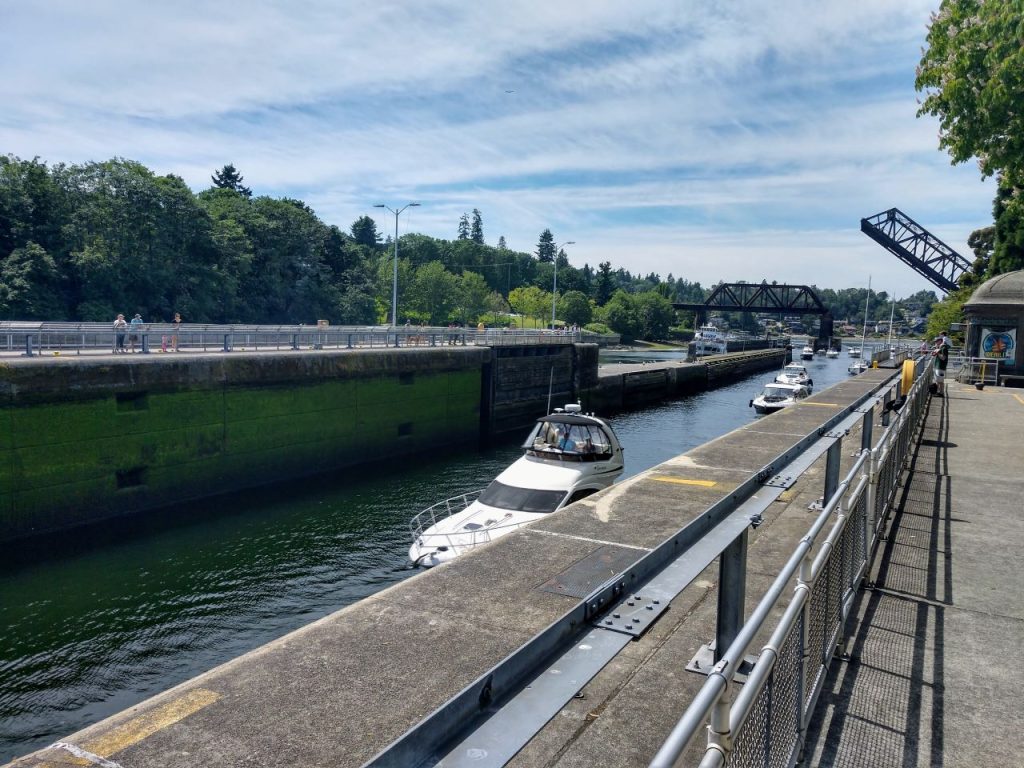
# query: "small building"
[995,324]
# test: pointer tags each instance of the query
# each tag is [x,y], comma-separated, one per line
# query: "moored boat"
[568,456]
[794,373]
[832,354]
[807,353]
[709,340]
[776,396]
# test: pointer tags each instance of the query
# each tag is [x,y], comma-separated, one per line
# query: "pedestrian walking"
[120,328]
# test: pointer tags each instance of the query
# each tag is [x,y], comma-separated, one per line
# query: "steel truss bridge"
[917,247]
[758,297]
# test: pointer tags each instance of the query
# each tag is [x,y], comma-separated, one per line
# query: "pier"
[909,684]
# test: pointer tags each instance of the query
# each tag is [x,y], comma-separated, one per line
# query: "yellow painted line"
[683,481]
[821,405]
[1019,399]
[143,726]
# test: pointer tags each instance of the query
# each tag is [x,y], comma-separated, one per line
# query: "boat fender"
[810,382]
[751,404]
[907,376]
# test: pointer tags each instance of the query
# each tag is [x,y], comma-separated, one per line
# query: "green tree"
[476,230]
[433,292]
[1008,240]
[364,232]
[971,74]
[502,246]
[605,283]
[29,285]
[574,308]
[463,227]
[473,297]
[621,314]
[655,315]
[546,246]
[229,178]
[530,301]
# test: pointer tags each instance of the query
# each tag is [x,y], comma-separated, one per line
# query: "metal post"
[28,345]
[866,426]
[227,342]
[295,341]
[885,407]
[394,282]
[145,343]
[732,592]
[554,284]
[832,459]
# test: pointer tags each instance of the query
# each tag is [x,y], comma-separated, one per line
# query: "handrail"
[31,338]
[873,480]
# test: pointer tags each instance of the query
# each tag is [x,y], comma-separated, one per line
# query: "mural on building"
[999,345]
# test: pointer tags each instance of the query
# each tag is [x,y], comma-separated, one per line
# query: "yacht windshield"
[521,499]
[584,439]
[776,393]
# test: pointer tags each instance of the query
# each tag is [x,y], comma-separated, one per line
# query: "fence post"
[227,342]
[885,407]
[832,460]
[145,342]
[295,341]
[866,427]
[732,590]
[28,345]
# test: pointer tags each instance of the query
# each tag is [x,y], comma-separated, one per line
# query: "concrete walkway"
[935,673]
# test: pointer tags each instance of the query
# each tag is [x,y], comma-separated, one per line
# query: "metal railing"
[441,511]
[765,723]
[32,339]
[974,370]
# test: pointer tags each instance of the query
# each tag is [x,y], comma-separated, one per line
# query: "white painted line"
[590,541]
[83,755]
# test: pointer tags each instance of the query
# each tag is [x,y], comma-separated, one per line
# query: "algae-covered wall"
[85,440]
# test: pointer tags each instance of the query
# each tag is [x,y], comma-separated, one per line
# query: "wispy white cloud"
[652,133]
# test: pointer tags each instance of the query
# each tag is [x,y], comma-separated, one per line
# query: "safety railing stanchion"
[28,345]
[732,590]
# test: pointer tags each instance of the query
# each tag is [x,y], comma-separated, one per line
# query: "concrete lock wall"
[85,440]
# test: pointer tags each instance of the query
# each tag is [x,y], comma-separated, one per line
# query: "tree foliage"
[228,177]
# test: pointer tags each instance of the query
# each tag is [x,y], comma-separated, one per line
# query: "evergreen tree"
[476,232]
[501,244]
[463,227]
[229,178]
[364,232]
[546,246]
[605,283]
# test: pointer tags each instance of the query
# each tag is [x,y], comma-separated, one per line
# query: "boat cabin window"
[776,394]
[521,499]
[586,440]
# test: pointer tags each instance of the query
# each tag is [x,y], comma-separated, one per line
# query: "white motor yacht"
[794,373]
[709,340]
[568,456]
[832,354]
[776,396]
[807,353]
[853,351]
[858,366]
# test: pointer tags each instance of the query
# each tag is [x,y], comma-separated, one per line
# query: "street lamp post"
[394,285]
[554,284]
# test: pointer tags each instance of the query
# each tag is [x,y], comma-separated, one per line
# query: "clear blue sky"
[733,140]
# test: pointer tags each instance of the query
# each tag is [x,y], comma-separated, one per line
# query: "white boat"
[858,366]
[807,353]
[776,396]
[794,373]
[709,340]
[832,354]
[568,456]
[853,351]
[819,351]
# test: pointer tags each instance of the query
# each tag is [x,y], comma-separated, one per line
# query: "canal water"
[97,621]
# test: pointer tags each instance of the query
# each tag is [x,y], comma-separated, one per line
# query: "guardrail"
[975,370]
[32,339]
[501,710]
[766,722]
